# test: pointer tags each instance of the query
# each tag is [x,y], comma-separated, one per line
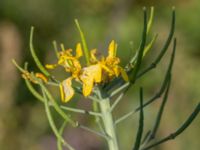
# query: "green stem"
[81,111]
[93,131]
[108,122]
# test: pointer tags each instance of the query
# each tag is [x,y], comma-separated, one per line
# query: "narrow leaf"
[166,79]
[150,19]
[165,47]
[184,126]
[149,46]
[141,123]
[85,47]
[18,67]
[160,112]
[55,46]
[36,59]
[141,50]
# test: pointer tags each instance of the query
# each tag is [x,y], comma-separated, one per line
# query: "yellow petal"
[61,61]
[48,66]
[79,52]
[41,76]
[87,83]
[124,74]
[66,90]
[93,58]
[62,94]
[112,49]
[117,70]
[65,61]
[96,72]
[87,86]
[76,64]
[68,52]
[90,75]
[104,67]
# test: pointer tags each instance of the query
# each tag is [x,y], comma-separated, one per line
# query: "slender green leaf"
[55,46]
[184,126]
[62,47]
[164,49]
[141,124]
[132,62]
[150,20]
[141,50]
[18,67]
[162,89]
[85,47]
[166,79]
[149,46]
[160,112]
[36,59]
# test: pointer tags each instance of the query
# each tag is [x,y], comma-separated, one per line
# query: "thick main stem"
[107,119]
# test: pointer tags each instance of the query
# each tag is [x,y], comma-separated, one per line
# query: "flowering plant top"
[97,72]
[100,79]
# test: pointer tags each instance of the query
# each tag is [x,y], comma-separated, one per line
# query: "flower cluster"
[99,70]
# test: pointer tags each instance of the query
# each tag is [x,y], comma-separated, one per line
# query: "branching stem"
[107,120]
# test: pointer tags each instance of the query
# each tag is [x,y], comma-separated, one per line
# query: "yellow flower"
[89,77]
[93,74]
[99,71]
[93,58]
[111,63]
[66,90]
[68,61]
[72,65]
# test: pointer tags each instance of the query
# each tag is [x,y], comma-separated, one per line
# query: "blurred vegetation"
[23,124]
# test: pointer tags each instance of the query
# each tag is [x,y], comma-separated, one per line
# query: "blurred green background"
[23,123]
